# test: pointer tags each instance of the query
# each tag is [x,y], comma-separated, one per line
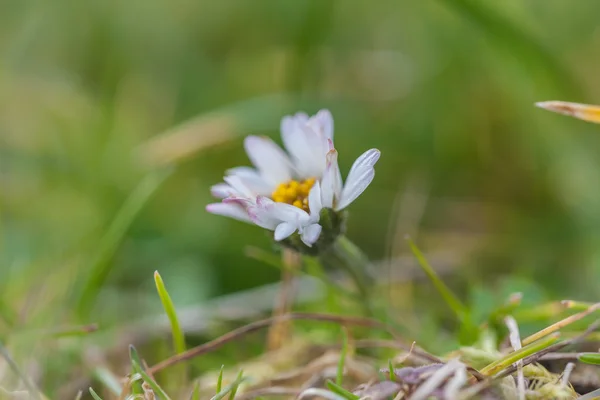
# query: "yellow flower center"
[294,193]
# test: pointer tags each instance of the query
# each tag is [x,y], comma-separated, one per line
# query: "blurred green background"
[99,97]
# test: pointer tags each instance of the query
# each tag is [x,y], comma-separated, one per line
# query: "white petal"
[291,122]
[297,146]
[222,190]
[284,212]
[253,180]
[306,148]
[272,162]
[229,210]
[331,184]
[261,217]
[360,176]
[314,202]
[310,234]
[238,186]
[322,122]
[317,143]
[268,214]
[284,230]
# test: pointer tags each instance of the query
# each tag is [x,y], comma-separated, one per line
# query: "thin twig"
[255,326]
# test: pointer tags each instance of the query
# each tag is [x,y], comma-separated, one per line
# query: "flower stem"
[345,255]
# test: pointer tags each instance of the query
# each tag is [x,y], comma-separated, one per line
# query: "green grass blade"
[589,358]
[231,388]
[95,395]
[101,266]
[178,336]
[341,363]
[136,365]
[337,389]
[220,379]
[235,387]
[195,391]
[517,41]
[451,300]
[135,358]
[151,382]
[392,374]
[108,379]
[7,313]
[520,354]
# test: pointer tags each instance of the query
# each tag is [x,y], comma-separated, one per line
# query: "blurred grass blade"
[453,302]
[231,388]
[136,366]
[195,391]
[100,267]
[7,313]
[135,358]
[391,372]
[33,392]
[235,387]
[220,379]
[108,379]
[95,395]
[337,389]
[520,354]
[341,363]
[178,336]
[186,140]
[75,331]
[520,44]
[576,305]
[589,358]
[585,112]
[151,382]
[561,324]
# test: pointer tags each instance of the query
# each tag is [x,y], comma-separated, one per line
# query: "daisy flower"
[292,190]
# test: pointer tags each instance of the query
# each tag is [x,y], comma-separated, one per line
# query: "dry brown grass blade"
[187,139]
[585,112]
[560,324]
[257,325]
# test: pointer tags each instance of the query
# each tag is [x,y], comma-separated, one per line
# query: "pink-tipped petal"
[229,210]
[252,179]
[331,184]
[310,234]
[262,218]
[222,190]
[360,177]
[238,185]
